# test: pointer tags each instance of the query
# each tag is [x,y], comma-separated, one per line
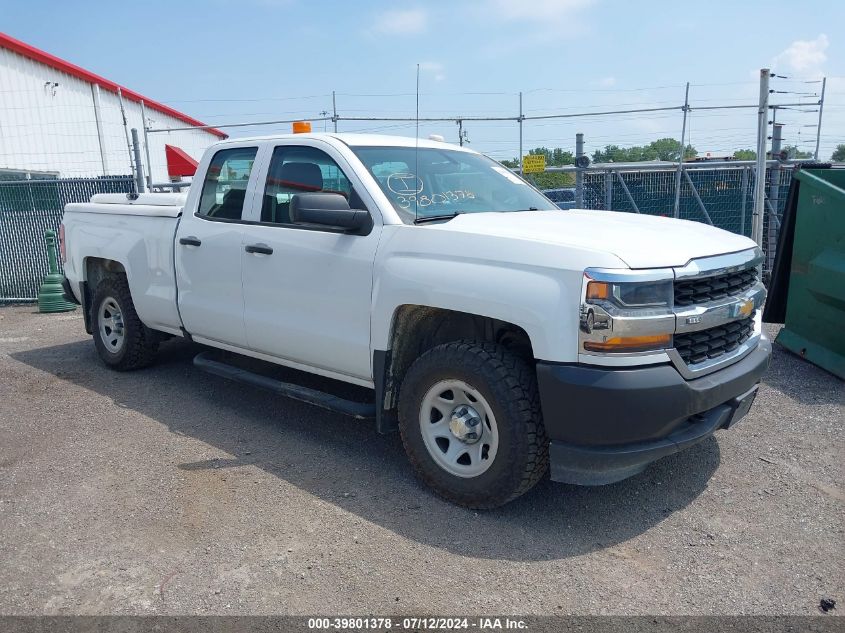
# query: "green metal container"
[815,308]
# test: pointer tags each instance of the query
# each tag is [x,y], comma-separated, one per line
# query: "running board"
[360,410]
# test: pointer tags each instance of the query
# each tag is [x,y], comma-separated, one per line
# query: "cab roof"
[357,140]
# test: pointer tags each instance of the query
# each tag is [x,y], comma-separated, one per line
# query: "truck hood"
[641,241]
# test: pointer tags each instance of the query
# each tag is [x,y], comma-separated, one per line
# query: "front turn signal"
[630,343]
[597,290]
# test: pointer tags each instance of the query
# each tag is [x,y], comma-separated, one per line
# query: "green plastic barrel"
[815,308]
[51,294]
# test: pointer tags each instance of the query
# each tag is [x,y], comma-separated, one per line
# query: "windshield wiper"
[435,218]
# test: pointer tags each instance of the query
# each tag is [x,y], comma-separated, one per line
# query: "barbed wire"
[639,118]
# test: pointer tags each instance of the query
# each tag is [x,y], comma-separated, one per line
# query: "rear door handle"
[190,241]
[261,249]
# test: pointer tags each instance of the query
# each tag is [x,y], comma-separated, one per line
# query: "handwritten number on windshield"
[444,197]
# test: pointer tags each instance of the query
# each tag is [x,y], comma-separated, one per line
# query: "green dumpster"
[808,284]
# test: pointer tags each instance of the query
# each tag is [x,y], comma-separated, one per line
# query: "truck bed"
[138,235]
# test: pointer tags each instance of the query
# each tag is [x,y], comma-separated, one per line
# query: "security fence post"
[579,172]
[147,146]
[139,166]
[774,194]
[677,207]
[521,172]
[760,175]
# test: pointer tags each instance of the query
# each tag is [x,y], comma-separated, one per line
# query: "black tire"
[139,343]
[509,385]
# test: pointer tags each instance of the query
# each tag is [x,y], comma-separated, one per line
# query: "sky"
[257,60]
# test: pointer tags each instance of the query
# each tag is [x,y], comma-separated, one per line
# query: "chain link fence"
[721,196]
[718,195]
[27,209]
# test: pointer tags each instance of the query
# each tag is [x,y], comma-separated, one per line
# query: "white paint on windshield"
[428,182]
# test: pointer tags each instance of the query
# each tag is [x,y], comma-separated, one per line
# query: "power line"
[251,100]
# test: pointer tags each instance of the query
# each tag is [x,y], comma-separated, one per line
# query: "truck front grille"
[703,289]
[697,347]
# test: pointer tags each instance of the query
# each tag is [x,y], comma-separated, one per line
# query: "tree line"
[661,149]
[792,152]
[664,149]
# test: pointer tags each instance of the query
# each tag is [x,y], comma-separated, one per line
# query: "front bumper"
[608,424]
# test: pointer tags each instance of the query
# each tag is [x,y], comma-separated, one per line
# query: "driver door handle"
[261,249]
[190,240]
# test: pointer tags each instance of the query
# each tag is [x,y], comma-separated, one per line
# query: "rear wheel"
[122,341]
[470,422]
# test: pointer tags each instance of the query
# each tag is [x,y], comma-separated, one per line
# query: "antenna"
[417,150]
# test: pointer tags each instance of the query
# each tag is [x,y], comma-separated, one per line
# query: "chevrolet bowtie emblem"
[744,308]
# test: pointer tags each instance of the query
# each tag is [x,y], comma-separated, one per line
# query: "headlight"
[626,312]
[632,295]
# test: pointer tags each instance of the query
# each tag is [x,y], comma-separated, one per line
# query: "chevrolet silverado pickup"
[503,337]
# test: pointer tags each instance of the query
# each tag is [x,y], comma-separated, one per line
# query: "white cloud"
[264,4]
[605,82]
[435,69]
[401,22]
[538,10]
[803,56]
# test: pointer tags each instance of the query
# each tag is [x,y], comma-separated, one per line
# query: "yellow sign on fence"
[533,163]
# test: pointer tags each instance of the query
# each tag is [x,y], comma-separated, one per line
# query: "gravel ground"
[168,491]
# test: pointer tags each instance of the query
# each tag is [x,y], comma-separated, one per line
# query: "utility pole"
[819,126]
[461,132]
[323,115]
[579,171]
[760,176]
[677,206]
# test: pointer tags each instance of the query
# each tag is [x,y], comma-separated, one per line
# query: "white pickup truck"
[499,334]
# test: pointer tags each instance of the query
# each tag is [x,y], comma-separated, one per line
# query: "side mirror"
[328,209]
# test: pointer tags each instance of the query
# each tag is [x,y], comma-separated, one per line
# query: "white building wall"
[54,129]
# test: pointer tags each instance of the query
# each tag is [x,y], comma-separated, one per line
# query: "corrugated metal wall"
[53,128]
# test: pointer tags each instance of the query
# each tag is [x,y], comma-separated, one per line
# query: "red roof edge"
[22,48]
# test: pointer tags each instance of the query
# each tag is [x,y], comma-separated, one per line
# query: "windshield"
[428,182]
[560,195]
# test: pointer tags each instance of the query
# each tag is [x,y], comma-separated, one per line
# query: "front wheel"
[122,340]
[470,421]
